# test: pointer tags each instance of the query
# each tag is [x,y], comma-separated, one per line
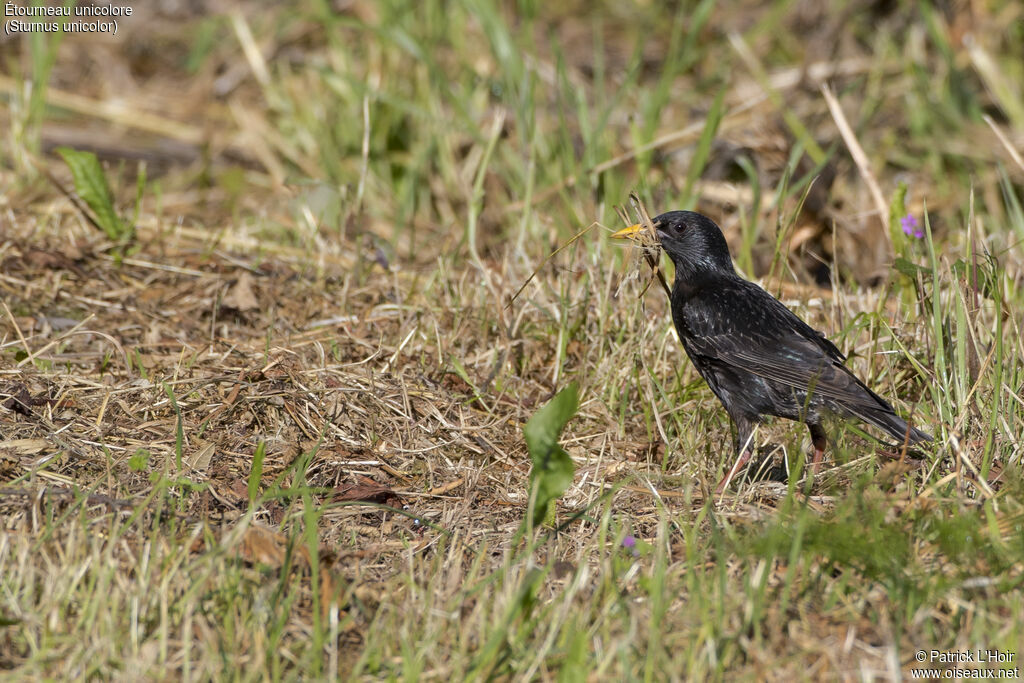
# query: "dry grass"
[282,437]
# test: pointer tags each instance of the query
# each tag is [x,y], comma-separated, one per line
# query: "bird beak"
[630,233]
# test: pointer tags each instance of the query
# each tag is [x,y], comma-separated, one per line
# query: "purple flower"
[910,226]
[629,543]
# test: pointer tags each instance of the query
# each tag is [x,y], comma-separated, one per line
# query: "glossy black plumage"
[757,356]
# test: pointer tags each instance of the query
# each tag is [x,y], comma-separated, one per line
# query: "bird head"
[695,244]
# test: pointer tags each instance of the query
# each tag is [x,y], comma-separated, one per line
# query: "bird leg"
[744,447]
[819,440]
[741,461]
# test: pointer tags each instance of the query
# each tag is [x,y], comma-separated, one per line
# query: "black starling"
[755,354]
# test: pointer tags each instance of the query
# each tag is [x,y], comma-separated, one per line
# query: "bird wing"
[740,325]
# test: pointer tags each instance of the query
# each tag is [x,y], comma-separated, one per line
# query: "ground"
[274,429]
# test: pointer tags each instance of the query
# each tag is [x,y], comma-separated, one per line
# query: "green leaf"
[909,268]
[256,473]
[463,375]
[139,460]
[980,277]
[552,467]
[91,185]
[703,151]
[897,210]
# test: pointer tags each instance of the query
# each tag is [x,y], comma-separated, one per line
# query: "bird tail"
[895,426]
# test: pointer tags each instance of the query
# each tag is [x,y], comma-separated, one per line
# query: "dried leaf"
[261,545]
[241,297]
[365,490]
[24,446]
[199,459]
